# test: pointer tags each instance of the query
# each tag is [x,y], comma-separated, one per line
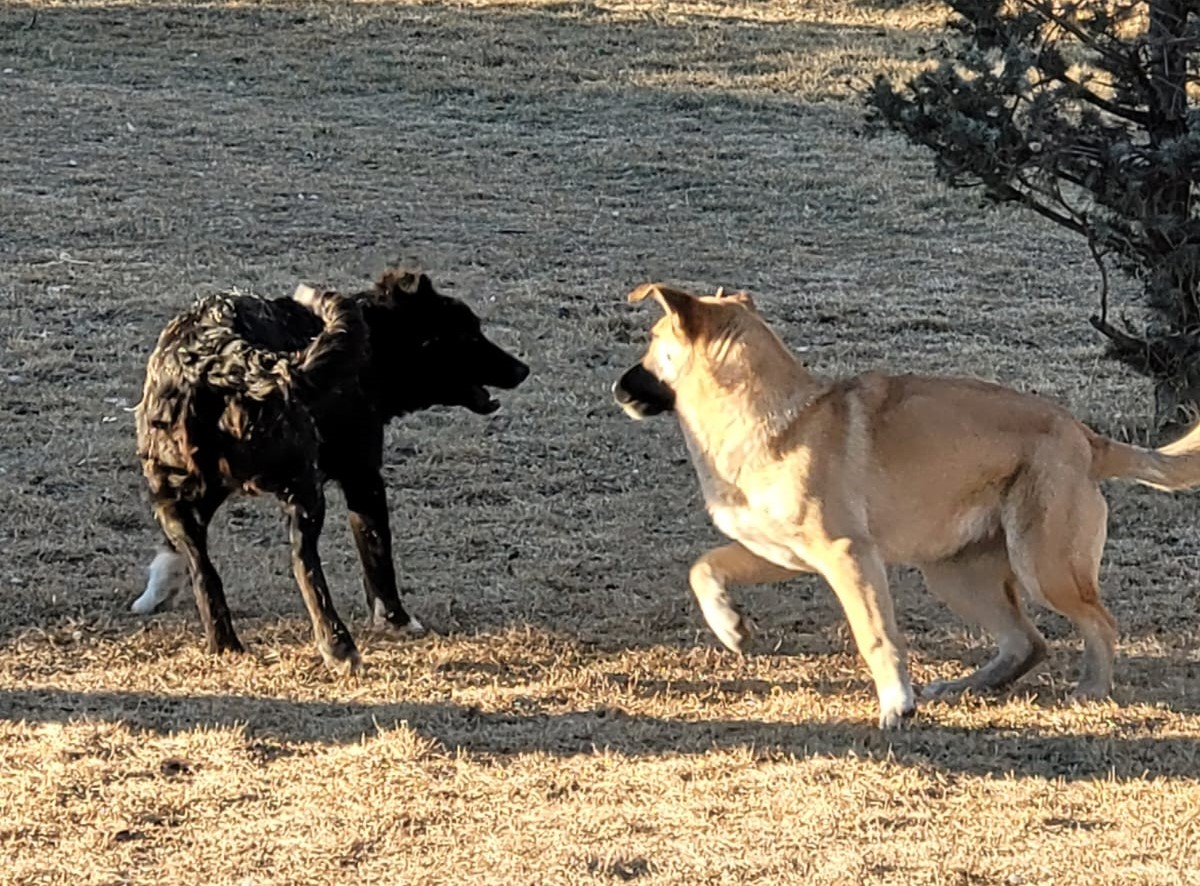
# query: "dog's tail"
[340,348]
[1172,467]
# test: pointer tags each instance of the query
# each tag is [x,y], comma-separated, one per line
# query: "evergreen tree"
[1086,114]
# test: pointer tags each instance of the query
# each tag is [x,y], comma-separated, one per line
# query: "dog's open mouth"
[480,401]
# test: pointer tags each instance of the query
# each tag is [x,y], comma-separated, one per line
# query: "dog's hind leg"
[1057,558]
[186,528]
[366,500]
[980,587]
[721,568]
[305,504]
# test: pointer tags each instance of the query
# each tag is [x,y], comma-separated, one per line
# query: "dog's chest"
[753,524]
[757,530]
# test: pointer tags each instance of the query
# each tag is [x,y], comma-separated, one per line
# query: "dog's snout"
[640,393]
[511,372]
[503,369]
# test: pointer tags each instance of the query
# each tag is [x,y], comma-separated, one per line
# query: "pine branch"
[1081,92]
[1137,353]
[1005,191]
[1112,157]
[1127,63]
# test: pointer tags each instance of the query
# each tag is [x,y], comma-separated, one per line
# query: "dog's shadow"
[1153,675]
[274,726]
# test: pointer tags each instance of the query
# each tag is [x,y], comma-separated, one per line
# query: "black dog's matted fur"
[245,394]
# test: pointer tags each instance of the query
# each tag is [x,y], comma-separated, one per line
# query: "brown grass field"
[573,721]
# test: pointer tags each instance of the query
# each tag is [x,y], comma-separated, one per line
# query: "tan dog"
[987,490]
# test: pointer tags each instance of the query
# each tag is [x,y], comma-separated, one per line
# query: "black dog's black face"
[433,351]
[641,394]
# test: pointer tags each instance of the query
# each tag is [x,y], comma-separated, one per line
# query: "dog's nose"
[520,373]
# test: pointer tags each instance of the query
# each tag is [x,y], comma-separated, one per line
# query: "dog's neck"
[739,411]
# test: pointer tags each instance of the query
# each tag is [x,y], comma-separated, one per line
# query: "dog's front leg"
[366,500]
[856,572]
[306,509]
[718,570]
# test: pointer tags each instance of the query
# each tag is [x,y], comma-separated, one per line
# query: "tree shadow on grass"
[979,751]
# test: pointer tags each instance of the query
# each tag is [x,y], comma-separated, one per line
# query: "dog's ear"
[305,294]
[741,297]
[682,307]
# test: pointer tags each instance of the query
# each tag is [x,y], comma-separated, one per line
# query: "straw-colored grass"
[573,722]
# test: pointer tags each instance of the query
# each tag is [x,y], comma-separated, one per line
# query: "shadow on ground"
[457,728]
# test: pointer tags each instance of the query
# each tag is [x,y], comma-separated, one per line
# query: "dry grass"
[573,723]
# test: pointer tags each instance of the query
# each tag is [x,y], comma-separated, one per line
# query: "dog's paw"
[896,705]
[730,627]
[1087,693]
[942,690]
[413,628]
[350,665]
[889,720]
[397,620]
[223,642]
[341,657]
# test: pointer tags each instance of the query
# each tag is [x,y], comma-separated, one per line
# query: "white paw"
[896,704]
[727,624]
[167,575]
[412,627]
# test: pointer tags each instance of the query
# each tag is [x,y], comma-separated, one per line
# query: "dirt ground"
[572,721]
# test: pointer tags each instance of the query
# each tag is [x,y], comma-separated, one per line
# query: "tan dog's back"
[943,455]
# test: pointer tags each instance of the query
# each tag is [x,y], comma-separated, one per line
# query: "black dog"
[278,396]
